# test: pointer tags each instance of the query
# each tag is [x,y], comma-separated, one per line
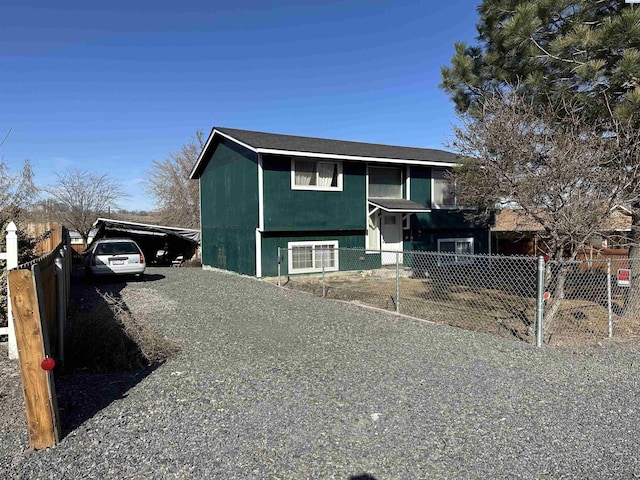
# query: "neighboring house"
[516,233]
[260,191]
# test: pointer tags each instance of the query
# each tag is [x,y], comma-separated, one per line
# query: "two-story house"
[260,191]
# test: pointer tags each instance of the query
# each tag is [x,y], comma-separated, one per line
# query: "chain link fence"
[517,297]
[590,300]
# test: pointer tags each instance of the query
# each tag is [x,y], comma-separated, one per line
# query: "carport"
[159,243]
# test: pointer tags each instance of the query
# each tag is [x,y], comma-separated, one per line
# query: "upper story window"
[385,182]
[315,175]
[443,192]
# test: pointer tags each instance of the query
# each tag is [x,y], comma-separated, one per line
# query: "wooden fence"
[39,297]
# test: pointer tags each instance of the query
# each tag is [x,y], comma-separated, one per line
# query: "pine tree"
[577,58]
[585,51]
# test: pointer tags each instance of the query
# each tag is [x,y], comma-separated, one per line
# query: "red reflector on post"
[48,364]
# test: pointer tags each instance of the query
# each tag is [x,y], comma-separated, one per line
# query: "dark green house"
[260,191]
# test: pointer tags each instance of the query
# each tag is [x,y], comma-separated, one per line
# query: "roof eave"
[335,156]
[195,171]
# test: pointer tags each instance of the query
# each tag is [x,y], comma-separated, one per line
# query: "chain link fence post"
[397,282]
[609,307]
[324,287]
[279,262]
[539,300]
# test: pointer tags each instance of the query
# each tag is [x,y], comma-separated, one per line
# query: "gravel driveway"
[279,384]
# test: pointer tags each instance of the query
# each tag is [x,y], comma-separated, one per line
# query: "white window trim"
[314,269]
[453,255]
[434,205]
[315,187]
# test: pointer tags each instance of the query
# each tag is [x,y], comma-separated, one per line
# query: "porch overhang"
[397,205]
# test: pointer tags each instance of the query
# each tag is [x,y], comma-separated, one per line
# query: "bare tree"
[168,183]
[82,197]
[17,192]
[558,169]
[554,165]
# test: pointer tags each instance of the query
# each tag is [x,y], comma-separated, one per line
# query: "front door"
[391,237]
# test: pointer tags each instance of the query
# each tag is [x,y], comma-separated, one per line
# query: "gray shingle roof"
[336,147]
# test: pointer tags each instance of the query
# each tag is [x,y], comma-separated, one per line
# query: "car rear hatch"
[117,255]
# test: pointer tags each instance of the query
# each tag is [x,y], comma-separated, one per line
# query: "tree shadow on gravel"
[108,351]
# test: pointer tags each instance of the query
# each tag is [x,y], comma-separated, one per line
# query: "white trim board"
[335,156]
[258,253]
[260,194]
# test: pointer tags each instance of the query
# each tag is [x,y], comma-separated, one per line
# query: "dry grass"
[109,337]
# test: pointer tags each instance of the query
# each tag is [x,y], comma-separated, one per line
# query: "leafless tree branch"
[82,197]
[177,197]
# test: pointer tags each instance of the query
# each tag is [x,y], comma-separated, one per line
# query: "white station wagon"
[114,256]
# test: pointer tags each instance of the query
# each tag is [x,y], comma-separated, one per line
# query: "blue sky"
[111,86]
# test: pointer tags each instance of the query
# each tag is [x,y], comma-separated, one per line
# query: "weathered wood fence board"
[49,243]
[38,384]
[39,297]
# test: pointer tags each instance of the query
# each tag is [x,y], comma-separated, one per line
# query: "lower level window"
[309,257]
[461,247]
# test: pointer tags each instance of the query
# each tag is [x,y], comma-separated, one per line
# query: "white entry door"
[391,237]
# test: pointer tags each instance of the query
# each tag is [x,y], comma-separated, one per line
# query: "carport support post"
[609,310]
[397,282]
[539,301]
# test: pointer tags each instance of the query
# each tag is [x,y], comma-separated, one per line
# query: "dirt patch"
[505,313]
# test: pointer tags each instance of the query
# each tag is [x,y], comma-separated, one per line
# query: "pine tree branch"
[555,57]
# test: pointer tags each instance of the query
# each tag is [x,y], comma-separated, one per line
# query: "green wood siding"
[420,185]
[346,260]
[229,196]
[306,210]
[427,228]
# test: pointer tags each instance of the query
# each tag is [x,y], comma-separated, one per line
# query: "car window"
[117,248]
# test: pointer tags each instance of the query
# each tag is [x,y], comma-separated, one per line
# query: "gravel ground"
[280,384]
